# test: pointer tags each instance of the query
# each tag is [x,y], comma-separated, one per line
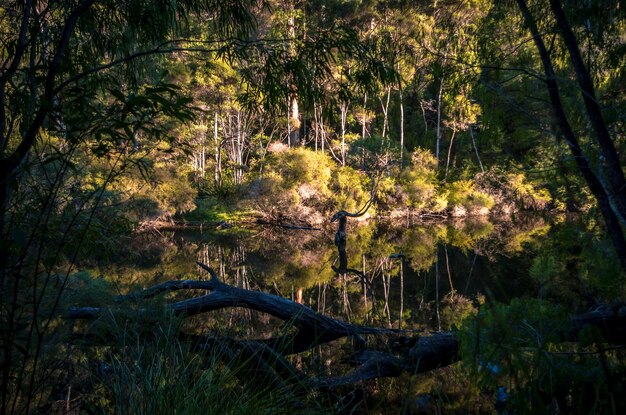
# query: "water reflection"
[421,276]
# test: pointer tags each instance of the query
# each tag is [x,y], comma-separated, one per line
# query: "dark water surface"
[419,276]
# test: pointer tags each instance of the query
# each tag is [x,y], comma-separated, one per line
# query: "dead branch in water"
[265,358]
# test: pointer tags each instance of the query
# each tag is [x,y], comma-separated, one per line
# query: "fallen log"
[415,354]
[314,329]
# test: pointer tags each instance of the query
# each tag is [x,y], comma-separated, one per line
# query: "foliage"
[514,350]
[463,197]
[351,190]
[512,191]
[419,181]
[160,376]
[119,113]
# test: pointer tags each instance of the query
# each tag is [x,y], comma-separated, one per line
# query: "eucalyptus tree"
[568,47]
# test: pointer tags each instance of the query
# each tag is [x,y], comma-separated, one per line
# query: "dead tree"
[340,236]
[264,360]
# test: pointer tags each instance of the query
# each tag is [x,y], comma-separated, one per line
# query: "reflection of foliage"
[521,236]
[466,234]
[516,348]
[455,308]
[420,246]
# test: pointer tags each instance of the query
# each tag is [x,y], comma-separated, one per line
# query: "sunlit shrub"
[294,184]
[172,190]
[157,192]
[463,198]
[513,191]
[419,181]
[390,195]
[349,189]
[270,196]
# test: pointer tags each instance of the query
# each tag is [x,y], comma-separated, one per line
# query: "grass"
[214,211]
[156,374]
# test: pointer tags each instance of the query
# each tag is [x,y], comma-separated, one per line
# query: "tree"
[67,72]
[611,196]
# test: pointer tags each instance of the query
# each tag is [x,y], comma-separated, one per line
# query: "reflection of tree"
[396,284]
[454,309]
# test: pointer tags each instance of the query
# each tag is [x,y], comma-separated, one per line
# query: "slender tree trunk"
[401,128]
[471,131]
[238,151]
[294,121]
[288,123]
[612,222]
[385,108]
[445,250]
[450,151]
[614,172]
[439,99]
[364,120]
[316,122]
[203,157]
[322,131]
[218,154]
[344,116]
[424,116]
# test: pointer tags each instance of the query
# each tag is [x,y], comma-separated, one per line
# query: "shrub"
[295,184]
[513,191]
[350,190]
[419,181]
[463,198]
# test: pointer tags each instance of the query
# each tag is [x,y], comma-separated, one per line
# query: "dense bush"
[463,199]
[419,183]
[513,191]
[305,185]
[294,184]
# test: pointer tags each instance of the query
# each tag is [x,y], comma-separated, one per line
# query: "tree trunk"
[218,154]
[439,99]
[604,203]
[476,148]
[364,120]
[411,354]
[385,108]
[615,175]
[344,116]
[449,152]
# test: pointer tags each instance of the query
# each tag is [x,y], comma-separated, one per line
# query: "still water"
[410,276]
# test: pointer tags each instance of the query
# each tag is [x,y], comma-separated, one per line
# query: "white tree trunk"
[344,116]
[439,99]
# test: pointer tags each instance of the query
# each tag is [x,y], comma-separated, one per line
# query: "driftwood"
[287,225]
[264,359]
[313,329]
[340,238]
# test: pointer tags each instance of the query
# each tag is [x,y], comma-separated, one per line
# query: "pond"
[423,277]
[410,276]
